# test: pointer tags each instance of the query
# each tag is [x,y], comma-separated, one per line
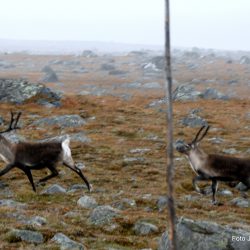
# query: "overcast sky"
[222,24]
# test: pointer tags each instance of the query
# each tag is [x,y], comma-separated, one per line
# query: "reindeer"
[213,167]
[29,156]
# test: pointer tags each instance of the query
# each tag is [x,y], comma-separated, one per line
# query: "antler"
[197,135]
[12,120]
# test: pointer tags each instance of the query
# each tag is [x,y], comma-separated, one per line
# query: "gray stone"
[162,203]
[194,121]
[211,93]
[54,189]
[103,215]
[241,187]
[87,202]
[20,90]
[66,243]
[76,187]
[12,204]
[225,192]
[37,221]
[230,151]
[240,202]
[62,121]
[89,53]
[186,92]
[76,137]
[216,140]
[50,77]
[144,228]
[117,72]
[152,85]
[206,236]
[26,235]
[128,161]
[124,204]
[6,65]
[107,67]
[139,150]
[244,60]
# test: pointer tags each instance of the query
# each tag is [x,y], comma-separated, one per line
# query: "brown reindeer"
[36,155]
[213,167]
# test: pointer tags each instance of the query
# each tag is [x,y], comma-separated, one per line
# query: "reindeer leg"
[214,189]
[27,171]
[79,172]
[54,173]
[7,169]
[199,178]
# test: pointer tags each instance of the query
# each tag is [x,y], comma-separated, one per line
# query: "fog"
[217,24]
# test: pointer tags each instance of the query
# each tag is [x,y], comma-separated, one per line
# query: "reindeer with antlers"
[213,167]
[29,156]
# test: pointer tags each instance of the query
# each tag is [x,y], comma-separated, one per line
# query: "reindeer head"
[186,148]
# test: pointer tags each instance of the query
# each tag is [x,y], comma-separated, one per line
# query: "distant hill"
[69,47]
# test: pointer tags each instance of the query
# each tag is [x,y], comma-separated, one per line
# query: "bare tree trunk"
[170,154]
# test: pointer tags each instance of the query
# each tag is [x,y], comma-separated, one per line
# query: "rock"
[71,63]
[6,65]
[225,192]
[133,85]
[216,140]
[54,189]
[125,203]
[211,93]
[241,187]
[129,161]
[102,215]
[76,137]
[139,150]
[152,85]
[240,202]
[66,243]
[144,228]
[50,75]
[194,121]
[26,235]
[117,72]
[107,67]
[87,202]
[206,236]
[230,151]
[162,203]
[76,187]
[12,204]
[159,62]
[186,92]
[62,121]
[20,90]
[244,60]
[1,120]
[37,221]
[89,53]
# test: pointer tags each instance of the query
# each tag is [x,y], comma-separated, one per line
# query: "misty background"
[116,25]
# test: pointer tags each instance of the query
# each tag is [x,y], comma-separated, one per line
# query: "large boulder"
[19,90]
[62,121]
[50,75]
[206,236]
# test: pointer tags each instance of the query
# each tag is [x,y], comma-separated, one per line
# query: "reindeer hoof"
[217,203]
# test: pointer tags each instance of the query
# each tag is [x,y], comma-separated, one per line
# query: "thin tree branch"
[170,154]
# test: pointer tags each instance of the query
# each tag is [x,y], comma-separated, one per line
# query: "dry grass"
[119,127]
